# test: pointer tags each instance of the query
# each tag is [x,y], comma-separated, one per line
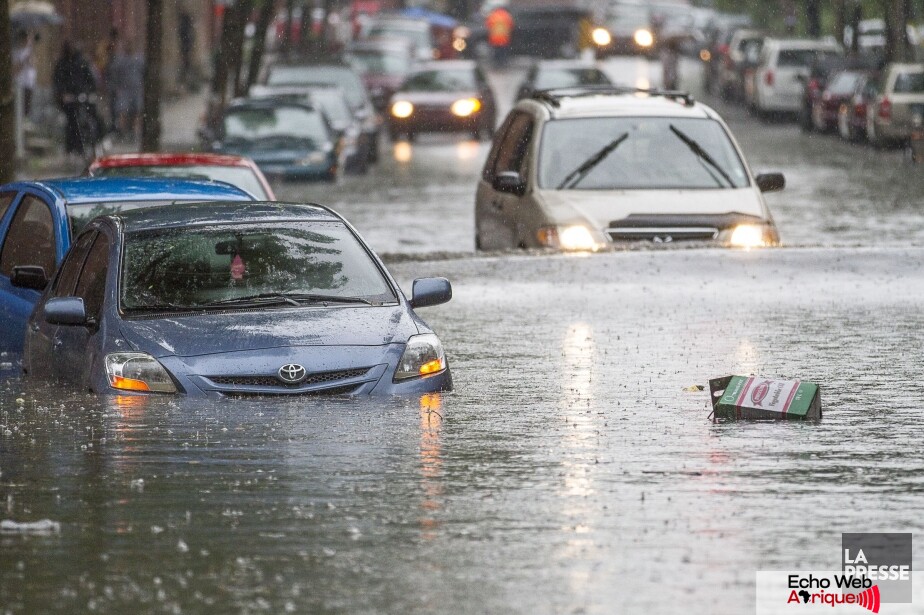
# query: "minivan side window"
[30,239]
[487,174]
[515,144]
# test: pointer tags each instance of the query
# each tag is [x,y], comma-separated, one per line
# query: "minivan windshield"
[246,266]
[654,153]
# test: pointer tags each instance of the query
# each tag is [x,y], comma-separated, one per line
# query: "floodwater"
[571,471]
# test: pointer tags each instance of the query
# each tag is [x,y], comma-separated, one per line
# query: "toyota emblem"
[292,373]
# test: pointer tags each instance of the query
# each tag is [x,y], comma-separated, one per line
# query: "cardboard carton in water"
[755,397]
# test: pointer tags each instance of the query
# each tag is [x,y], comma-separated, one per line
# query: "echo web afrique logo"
[876,570]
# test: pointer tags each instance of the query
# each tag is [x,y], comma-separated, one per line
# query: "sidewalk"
[179,120]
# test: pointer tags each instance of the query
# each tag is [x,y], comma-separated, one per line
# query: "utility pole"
[150,116]
[7,102]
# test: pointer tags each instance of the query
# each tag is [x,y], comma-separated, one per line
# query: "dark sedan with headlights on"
[446,96]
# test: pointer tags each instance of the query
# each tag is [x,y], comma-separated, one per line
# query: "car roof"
[105,189]
[170,159]
[441,65]
[268,102]
[566,64]
[191,215]
[802,43]
[603,102]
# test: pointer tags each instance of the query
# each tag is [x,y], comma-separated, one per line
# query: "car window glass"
[796,57]
[512,153]
[652,155]
[66,280]
[30,239]
[6,199]
[267,123]
[488,173]
[570,77]
[321,75]
[909,83]
[440,81]
[91,287]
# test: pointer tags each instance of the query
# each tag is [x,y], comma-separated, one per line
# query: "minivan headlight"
[749,236]
[575,237]
[423,356]
[137,371]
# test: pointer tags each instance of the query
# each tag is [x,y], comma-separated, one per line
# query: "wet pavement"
[570,471]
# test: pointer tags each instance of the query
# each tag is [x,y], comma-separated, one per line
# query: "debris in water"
[42,528]
[756,397]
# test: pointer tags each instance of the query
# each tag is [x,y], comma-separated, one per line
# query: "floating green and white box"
[756,397]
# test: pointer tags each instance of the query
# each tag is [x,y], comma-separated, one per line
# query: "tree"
[7,102]
[267,11]
[150,116]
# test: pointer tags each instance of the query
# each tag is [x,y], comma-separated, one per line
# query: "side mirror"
[430,291]
[510,182]
[770,182]
[29,276]
[65,311]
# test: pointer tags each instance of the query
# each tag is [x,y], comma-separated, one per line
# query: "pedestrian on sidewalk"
[72,81]
[126,78]
[499,24]
[24,73]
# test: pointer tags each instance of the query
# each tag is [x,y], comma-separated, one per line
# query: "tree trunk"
[7,102]
[259,43]
[150,115]
[287,35]
[813,18]
[840,19]
[898,48]
[244,8]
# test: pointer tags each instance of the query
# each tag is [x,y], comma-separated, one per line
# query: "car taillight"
[813,85]
[885,109]
[723,50]
[769,78]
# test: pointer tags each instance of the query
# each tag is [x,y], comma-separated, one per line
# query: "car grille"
[341,390]
[273,381]
[662,234]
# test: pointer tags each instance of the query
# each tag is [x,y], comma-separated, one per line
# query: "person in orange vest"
[499,24]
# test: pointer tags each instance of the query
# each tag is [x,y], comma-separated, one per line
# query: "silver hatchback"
[582,169]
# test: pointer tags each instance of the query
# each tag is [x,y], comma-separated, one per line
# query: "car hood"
[434,98]
[601,207]
[189,335]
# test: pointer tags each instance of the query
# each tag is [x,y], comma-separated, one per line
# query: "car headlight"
[601,37]
[750,236]
[423,356]
[402,109]
[576,238]
[137,371]
[313,158]
[643,38]
[465,107]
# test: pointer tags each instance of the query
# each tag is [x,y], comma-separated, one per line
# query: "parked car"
[739,62]
[784,67]
[416,32]
[302,73]
[629,25]
[383,65]
[901,95]
[145,300]
[851,116]
[332,101]
[841,88]
[38,220]
[586,169]
[546,31]
[286,139]
[548,74]
[447,96]
[236,170]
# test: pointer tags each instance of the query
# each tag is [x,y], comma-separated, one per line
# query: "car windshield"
[312,75]
[379,63]
[242,177]
[420,37]
[909,83]
[548,78]
[844,83]
[653,155]
[268,123]
[334,105]
[190,268]
[440,81]
[805,57]
[80,214]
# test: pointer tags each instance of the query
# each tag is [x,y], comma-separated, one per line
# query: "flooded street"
[571,471]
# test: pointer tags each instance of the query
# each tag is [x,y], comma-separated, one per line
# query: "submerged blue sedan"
[222,299]
[39,218]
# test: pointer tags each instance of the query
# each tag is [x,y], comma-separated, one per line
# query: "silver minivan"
[901,96]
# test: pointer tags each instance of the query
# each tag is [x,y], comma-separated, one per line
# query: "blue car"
[285,138]
[39,218]
[217,299]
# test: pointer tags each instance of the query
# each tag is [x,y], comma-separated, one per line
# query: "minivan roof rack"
[553,96]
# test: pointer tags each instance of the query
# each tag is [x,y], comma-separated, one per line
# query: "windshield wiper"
[295,299]
[703,156]
[577,175]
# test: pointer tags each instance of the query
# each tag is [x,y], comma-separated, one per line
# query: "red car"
[235,170]
[852,116]
[840,90]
